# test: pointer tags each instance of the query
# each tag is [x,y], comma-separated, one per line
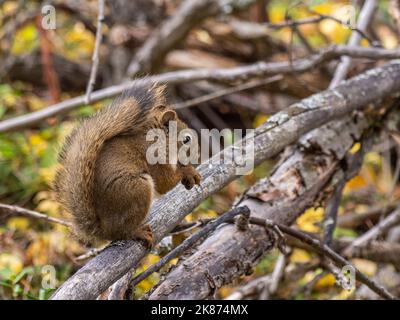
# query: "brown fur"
[105,181]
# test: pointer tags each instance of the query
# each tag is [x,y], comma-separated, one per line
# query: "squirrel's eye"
[187,139]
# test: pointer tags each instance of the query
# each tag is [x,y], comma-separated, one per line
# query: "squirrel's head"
[178,134]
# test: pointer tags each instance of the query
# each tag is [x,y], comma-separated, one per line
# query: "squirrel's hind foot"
[145,234]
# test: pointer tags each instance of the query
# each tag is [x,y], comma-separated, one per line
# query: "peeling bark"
[279,131]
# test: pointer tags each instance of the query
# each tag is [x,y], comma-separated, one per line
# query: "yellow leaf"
[299,256]
[48,174]
[152,259]
[344,294]
[9,7]
[12,262]
[326,281]
[354,183]
[310,218]
[373,158]
[35,103]
[38,143]
[335,31]
[325,7]
[355,148]
[18,223]
[51,207]
[25,40]
[365,266]
[260,119]
[38,250]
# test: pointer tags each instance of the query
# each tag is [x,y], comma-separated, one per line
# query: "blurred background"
[41,67]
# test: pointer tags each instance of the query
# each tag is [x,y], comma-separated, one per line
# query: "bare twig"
[363,21]
[384,225]
[30,213]
[394,11]
[227,91]
[91,253]
[331,212]
[258,69]
[326,251]
[264,286]
[334,203]
[352,219]
[189,242]
[96,51]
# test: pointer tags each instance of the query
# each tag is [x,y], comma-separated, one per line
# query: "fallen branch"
[242,73]
[288,192]
[269,139]
[282,198]
[189,242]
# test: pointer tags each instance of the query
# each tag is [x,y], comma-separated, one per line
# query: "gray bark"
[279,131]
[282,197]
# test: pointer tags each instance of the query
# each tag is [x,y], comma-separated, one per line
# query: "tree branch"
[29,213]
[363,21]
[242,73]
[189,242]
[326,251]
[96,51]
[269,139]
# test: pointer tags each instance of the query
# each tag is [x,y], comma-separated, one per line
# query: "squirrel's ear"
[168,116]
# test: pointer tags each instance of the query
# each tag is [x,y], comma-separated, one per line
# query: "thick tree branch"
[293,187]
[269,139]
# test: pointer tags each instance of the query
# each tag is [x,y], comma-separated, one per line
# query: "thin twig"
[225,92]
[326,251]
[331,212]
[96,51]
[358,30]
[189,242]
[264,286]
[91,253]
[384,225]
[364,19]
[33,214]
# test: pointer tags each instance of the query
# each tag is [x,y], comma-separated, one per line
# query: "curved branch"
[269,139]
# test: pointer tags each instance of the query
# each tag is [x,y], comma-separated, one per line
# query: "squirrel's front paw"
[190,180]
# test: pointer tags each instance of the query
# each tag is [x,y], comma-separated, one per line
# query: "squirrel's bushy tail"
[75,178]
